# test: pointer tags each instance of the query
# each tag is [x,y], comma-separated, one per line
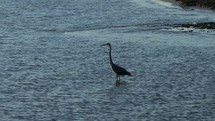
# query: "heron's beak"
[104,45]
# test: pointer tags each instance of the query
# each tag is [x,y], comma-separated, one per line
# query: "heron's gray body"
[117,69]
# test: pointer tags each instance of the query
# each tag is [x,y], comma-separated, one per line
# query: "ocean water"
[52,67]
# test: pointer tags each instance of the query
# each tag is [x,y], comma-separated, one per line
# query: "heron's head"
[107,44]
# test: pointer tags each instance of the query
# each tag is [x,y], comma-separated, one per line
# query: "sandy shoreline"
[174,2]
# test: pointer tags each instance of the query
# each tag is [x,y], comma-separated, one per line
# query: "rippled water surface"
[52,67]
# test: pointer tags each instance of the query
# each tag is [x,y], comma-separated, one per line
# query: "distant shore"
[210,4]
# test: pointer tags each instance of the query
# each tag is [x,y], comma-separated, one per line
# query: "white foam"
[163,3]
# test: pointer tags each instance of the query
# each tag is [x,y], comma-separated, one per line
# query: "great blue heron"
[117,69]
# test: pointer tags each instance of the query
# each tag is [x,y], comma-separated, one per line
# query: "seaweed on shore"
[198,3]
[204,25]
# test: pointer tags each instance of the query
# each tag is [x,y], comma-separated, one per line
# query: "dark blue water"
[52,67]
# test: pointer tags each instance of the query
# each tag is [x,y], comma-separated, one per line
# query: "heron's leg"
[117,77]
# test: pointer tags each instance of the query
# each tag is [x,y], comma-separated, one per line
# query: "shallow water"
[52,67]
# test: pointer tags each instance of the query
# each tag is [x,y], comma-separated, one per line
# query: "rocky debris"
[198,3]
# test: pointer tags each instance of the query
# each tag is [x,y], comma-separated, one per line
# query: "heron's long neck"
[110,56]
